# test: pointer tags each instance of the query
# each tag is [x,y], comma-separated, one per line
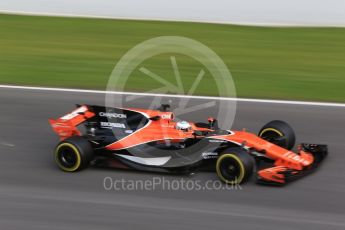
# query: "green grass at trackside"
[279,63]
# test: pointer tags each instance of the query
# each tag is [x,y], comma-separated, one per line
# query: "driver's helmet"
[183,125]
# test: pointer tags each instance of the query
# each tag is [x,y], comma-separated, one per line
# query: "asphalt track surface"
[35,194]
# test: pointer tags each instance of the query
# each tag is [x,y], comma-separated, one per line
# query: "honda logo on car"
[113,125]
[112,115]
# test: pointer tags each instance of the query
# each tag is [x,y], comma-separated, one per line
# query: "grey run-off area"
[35,194]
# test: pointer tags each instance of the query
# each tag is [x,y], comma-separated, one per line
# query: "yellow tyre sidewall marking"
[219,173]
[272,130]
[76,152]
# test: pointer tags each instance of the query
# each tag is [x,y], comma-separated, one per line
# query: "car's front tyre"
[279,133]
[234,166]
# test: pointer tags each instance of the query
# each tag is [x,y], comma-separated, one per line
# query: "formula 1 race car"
[153,140]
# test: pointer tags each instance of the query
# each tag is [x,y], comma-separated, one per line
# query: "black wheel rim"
[230,169]
[274,138]
[67,157]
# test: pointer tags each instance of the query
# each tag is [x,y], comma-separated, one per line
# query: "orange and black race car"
[154,140]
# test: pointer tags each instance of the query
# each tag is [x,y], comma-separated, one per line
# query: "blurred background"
[274,49]
[264,12]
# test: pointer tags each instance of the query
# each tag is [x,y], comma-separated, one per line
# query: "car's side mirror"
[213,123]
[164,108]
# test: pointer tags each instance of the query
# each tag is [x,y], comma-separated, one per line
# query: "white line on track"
[325,104]
[6,144]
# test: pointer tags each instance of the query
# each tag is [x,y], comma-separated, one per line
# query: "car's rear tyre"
[279,133]
[234,166]
[73,154]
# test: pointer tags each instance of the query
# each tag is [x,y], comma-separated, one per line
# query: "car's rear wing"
[66,126]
